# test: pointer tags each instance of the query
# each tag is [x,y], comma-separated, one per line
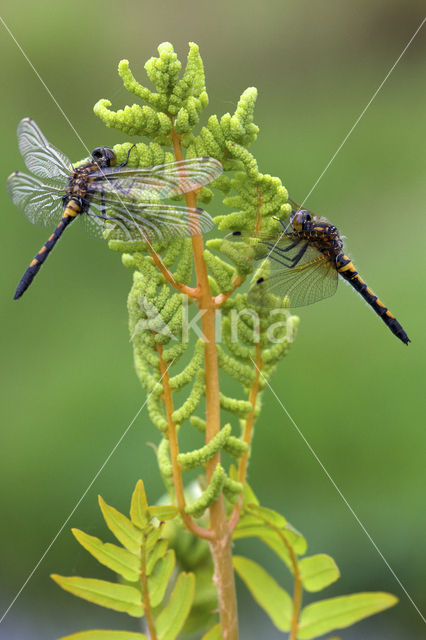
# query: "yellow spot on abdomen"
[347,267]
[71,210]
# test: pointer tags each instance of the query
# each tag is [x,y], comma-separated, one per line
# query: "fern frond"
[210,494]
[192,401]
[199,457]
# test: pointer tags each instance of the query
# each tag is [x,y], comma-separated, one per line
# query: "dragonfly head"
[103,157]
[299,219]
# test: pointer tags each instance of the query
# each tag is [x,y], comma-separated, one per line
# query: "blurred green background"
[357,394]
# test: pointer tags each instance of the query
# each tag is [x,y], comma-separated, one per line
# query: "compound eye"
[308,217]
[97,153]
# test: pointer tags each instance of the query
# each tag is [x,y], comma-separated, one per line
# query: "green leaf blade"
[158,552]
[119,597]
[251,527]
[341,612]
[172,618]
[139,506]
[215,633]
[318,571]
[163,512]
[159,578]
[125,532]
[268,515]
[105,634]
[266,591]
[122,561]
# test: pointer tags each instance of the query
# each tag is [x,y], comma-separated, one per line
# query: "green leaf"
[154,534]
[249,495]
[121,527]
[104,634]
[157,552]
[214,634]
[163,512]
[159,578]
[338,613]
[119,597]
[268,515]
[266,591]
[139,506]
[276,520]
[318,571]
[274,542]
[173,616]
[115,558]
[250,526]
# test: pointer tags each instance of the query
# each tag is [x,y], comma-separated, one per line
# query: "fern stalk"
[221,539]
[247,437]
[192,526]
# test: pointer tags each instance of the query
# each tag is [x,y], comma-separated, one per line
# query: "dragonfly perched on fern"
[104,195]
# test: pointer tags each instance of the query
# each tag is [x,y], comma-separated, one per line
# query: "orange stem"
[174,452]
[247,437]
[183,288]
[297,597]
[145,595]
[222,297]
[297,591]
[220,544]
[254,391]
[238,280]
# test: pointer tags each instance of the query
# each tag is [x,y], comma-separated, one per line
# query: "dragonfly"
[306,259]
[105,195]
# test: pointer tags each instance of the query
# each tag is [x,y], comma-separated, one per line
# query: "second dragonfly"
[305,260]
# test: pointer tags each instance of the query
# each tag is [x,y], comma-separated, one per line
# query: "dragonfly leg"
[288,262]
[282,223]
[281,250]
[297,258]
[123,164]
[122,190]
[273,255]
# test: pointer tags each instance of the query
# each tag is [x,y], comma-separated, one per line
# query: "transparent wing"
[149,221]
[261,236]
[41,157]
[155,183]
[41,203]
[264,245]
[312,279]
[295,206]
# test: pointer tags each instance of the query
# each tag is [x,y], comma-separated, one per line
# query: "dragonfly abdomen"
[347,270]
[70,213]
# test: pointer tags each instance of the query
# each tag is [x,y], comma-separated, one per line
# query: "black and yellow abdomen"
[72,209]
[347,270]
